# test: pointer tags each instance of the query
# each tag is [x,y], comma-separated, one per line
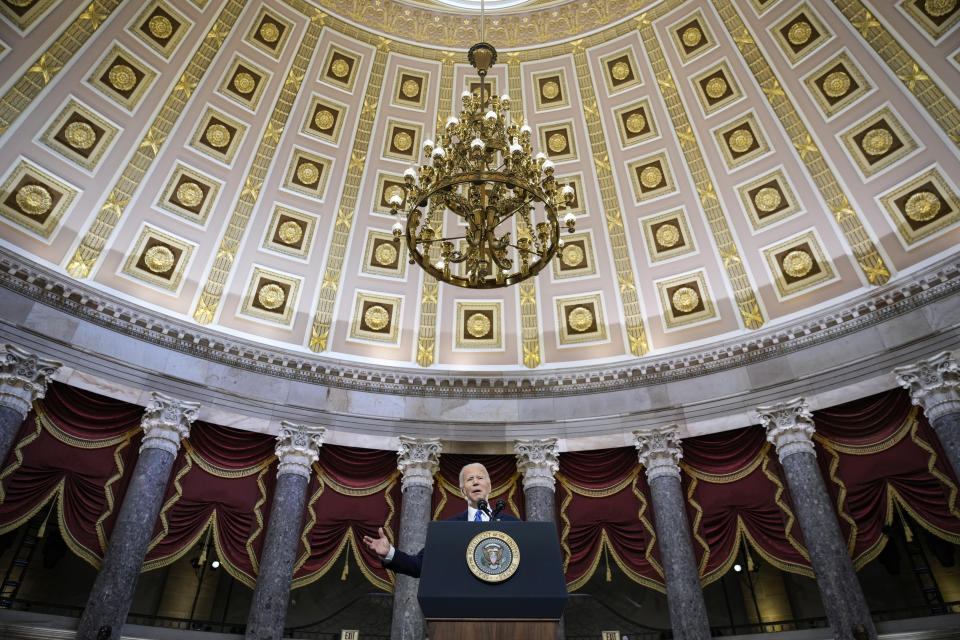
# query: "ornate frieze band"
[18,98]
[298,447]
[418,461]
[934,283]
[904,66]
[659,451]
[743,291]
[869,259]
[95,239]
[23,378]
[333,271]
[789,427]
[619,246]
[934,384]
[538,461]
[166,422]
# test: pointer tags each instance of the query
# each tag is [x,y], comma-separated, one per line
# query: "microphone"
[501,505]
[483,506]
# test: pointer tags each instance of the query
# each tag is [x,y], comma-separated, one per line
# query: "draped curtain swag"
[879,458]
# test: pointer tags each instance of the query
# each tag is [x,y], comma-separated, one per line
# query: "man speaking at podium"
[475,487]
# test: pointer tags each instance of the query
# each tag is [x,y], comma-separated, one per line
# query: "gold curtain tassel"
[43,525]
[606,560]
[346,566]
[907,531]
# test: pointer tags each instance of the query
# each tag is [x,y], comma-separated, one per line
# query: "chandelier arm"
[513,211]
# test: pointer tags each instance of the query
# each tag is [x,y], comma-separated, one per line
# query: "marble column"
[418,461]
[298,447]
[538,461]
[934,385]
[166,422]
[659,452]
[789,427]
[23,379]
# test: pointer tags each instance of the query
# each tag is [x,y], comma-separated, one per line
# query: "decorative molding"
[418,461]
[745,296]
[538,461]
[619,244]
[871,308]
[934,384]
[166,422]
[789,427]
[298,447]
[659,451]
[94,240]
[23,378]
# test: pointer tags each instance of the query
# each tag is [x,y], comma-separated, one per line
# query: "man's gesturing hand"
[380,546]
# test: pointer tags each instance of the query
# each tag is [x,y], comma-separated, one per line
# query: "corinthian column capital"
[23,378]
[298,447]
[789,427]
[418,460]
[659,451]
[934,384]
[538,461]
[166,422]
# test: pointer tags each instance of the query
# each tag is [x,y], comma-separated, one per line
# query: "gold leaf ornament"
[323,119]
[767,199]
[478,325]
[620,70]
[550,90]
[691,36]
[244,83]
[716,87]
[376,317]
[740,140]
[799,33]
[122,77]
[580,319]
[572,255]
[159,258]
[797,263]
[922,206]
[557,142]
[271,296]
[190,194]
[636,123]
[685,299]
[402,141]
[386,254]
[667,235]
[269,32]
[340,68]
[410,88]
[290,232]
[217,135]
[836,84]
[308,173]
[651,176]
[160,27]
[34,199]
[877,142]
[80,135]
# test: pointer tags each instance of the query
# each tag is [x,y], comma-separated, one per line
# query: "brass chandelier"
[482,169]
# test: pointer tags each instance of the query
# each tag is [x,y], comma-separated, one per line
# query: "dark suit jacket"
[410,564]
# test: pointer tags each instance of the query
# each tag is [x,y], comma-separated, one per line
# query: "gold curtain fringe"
[908,425]
[778,500]
[648,554]
[311,520]
[178,493]
[258,514]
[932,467]
[695,527]
[726,478]
[361,492]
[108,492]
[74,441]
[603,492]
[220,472]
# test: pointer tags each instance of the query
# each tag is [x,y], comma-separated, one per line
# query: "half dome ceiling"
[737,165]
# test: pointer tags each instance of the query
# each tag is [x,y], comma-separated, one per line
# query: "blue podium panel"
[492,570]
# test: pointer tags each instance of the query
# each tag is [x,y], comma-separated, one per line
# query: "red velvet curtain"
[75,448]
[879,456]
[735,489]
[605,517]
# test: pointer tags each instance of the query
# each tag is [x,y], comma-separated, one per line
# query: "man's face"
[476,485]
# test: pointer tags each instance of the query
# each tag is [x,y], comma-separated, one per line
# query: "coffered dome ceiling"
[737,165]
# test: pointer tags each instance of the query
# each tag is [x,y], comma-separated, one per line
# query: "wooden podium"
[463,600]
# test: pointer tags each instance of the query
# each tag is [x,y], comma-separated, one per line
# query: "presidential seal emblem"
[493,556]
